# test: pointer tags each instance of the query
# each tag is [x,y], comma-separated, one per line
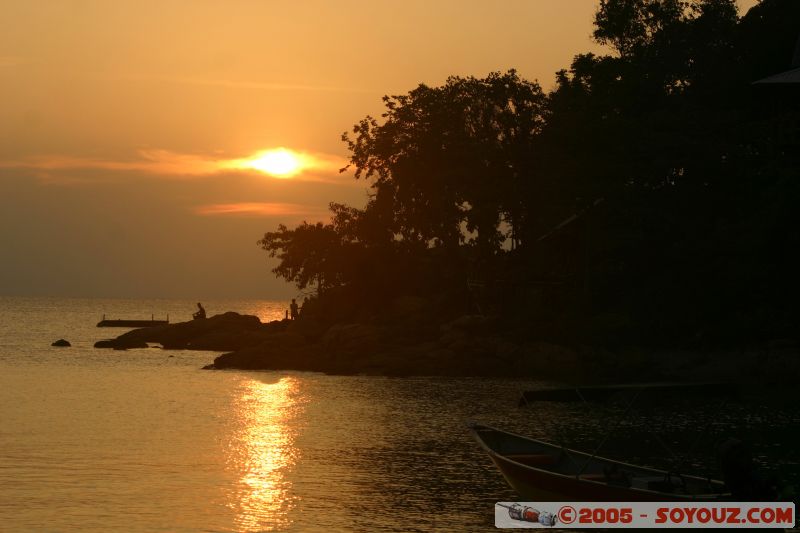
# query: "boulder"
[120,343]
[281,351]
[409,306]
[467,324]
[61,343]
[228,331]
[353,339]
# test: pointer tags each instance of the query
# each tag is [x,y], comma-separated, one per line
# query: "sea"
[144,440]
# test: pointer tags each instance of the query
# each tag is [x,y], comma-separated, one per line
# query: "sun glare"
[280,162]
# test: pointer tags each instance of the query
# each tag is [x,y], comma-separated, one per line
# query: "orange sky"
[117,120]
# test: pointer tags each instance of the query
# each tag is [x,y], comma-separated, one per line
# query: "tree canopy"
[654,183]
[450,158]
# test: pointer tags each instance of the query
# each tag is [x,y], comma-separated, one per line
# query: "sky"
[140,139]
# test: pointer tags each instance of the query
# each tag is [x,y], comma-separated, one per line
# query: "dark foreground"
[466,346]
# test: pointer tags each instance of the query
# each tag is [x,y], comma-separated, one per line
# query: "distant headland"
[467,345]
[635,221]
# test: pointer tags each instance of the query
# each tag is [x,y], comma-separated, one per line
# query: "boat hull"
[534,483]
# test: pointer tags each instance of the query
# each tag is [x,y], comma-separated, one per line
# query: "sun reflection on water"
[266,310]
[264,453]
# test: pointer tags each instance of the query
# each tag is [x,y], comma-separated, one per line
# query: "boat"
[601,393]
[540,471]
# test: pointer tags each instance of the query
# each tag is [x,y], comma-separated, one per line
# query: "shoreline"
[468,346]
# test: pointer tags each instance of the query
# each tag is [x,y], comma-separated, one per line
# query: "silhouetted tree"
[310,254]
[695,169]
[450,158]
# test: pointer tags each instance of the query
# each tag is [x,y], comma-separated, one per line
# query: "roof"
[788,77]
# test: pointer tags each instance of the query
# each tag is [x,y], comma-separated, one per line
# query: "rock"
[228,331]
[409,305]
[282,351]
[469,324]
[608,328]
[470,345]
[121,343]
[61,343]
[353,339]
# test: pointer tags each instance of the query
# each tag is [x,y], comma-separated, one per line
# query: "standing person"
[294,310]
[201,313]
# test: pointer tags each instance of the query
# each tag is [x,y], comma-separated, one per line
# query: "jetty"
[124,323]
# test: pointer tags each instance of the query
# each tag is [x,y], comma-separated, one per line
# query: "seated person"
[201,313]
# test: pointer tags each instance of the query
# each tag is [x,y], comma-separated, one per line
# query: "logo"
[523,513]
[567,514]
[647,515]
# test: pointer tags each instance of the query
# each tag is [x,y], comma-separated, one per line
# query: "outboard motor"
[741,475]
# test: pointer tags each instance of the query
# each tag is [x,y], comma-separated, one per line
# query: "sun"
[278,162]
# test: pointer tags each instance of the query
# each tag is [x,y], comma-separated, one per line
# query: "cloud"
[306,163]
[264,209]
[159,163]
[162,162]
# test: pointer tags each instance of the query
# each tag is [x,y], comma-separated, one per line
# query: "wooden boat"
[540,471]
[601,393]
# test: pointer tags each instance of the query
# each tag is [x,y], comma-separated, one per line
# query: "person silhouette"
[201,313]
[294,309]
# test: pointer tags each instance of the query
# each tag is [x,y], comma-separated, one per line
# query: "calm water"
[143,440]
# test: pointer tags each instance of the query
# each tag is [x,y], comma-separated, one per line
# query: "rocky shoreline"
[465,346]
[462,347]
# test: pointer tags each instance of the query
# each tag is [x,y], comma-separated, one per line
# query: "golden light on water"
[278,162]
[263,453]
